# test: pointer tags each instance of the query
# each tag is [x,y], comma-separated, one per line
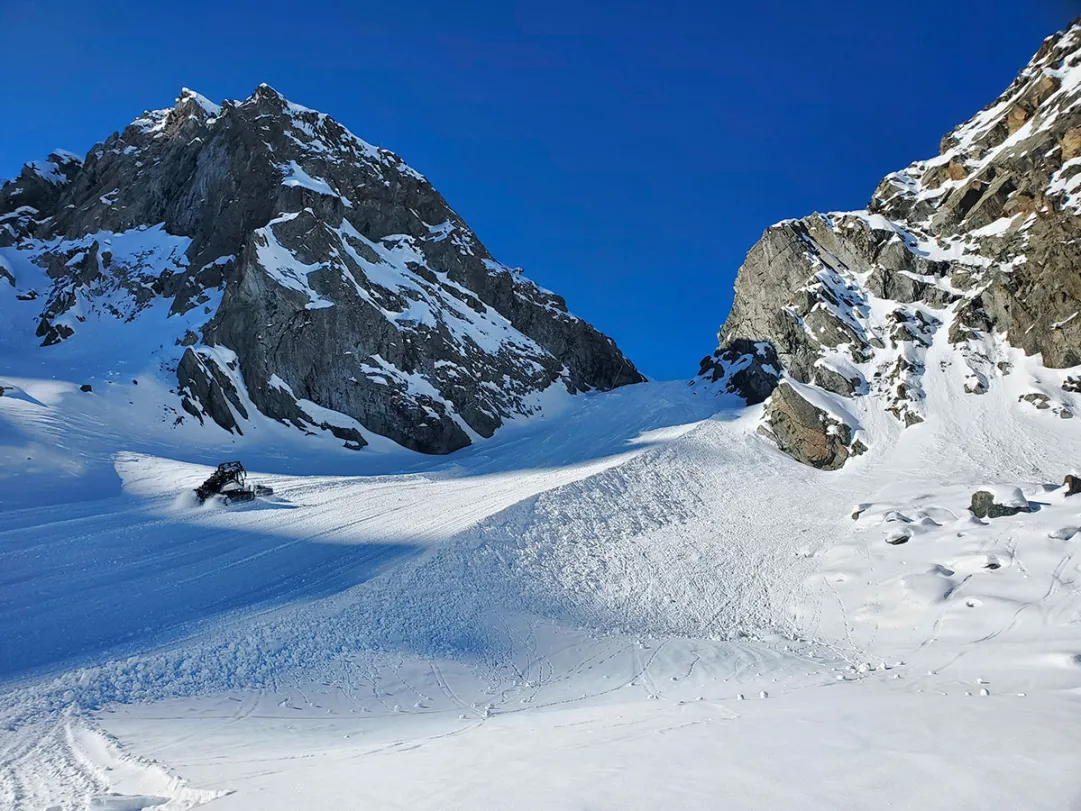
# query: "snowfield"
[634,601]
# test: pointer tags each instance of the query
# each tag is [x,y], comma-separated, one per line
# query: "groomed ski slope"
[635,602]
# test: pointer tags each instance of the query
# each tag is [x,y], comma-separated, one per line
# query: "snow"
[1067,181]
[995,228]
[139,256]
[1006,495]
[296,176]
[431,304]
[210,108]
[590,592]
[281,265]
[50,171]
[152,121]
[67,155]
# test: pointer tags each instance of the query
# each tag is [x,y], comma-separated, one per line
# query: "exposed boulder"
[807,433]
[1039,401]
[998,502]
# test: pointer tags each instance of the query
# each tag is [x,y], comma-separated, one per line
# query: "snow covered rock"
[305,270]
[997,502]
[968,256]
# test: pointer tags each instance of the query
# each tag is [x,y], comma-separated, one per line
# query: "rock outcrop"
[977,249]
[806,432]
[304,272]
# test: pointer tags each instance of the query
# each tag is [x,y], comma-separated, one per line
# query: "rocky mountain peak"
[307,276]
[961,267]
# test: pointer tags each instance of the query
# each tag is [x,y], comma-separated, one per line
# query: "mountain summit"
[288,268]
[962,274]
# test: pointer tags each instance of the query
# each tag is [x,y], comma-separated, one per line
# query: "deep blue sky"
[626,154]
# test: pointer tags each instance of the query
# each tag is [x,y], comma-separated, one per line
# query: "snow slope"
[566,615]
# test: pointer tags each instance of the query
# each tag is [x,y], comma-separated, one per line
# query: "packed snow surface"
[634,601]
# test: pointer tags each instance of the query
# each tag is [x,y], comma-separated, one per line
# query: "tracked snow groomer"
[229,482]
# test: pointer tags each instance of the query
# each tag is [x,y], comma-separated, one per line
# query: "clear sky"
[626,154]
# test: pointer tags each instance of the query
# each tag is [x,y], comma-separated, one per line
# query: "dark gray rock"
[203,384]
[984,506]
[750,370]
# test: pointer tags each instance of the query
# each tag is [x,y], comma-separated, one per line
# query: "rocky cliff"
[975,253]
[307,275]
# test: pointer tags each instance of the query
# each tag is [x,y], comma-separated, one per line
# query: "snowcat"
[228,481]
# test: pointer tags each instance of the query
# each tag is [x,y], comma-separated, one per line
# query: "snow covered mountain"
[975,252]
[556,617]
[279,265]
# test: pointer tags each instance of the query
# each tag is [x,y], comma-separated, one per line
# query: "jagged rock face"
[979,247]
[323,274]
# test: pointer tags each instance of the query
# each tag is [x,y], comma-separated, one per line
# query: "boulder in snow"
[998,501]
[807,433]
[1072,485]
[899,536]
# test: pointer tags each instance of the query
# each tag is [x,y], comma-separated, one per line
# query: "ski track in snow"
[585,595]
